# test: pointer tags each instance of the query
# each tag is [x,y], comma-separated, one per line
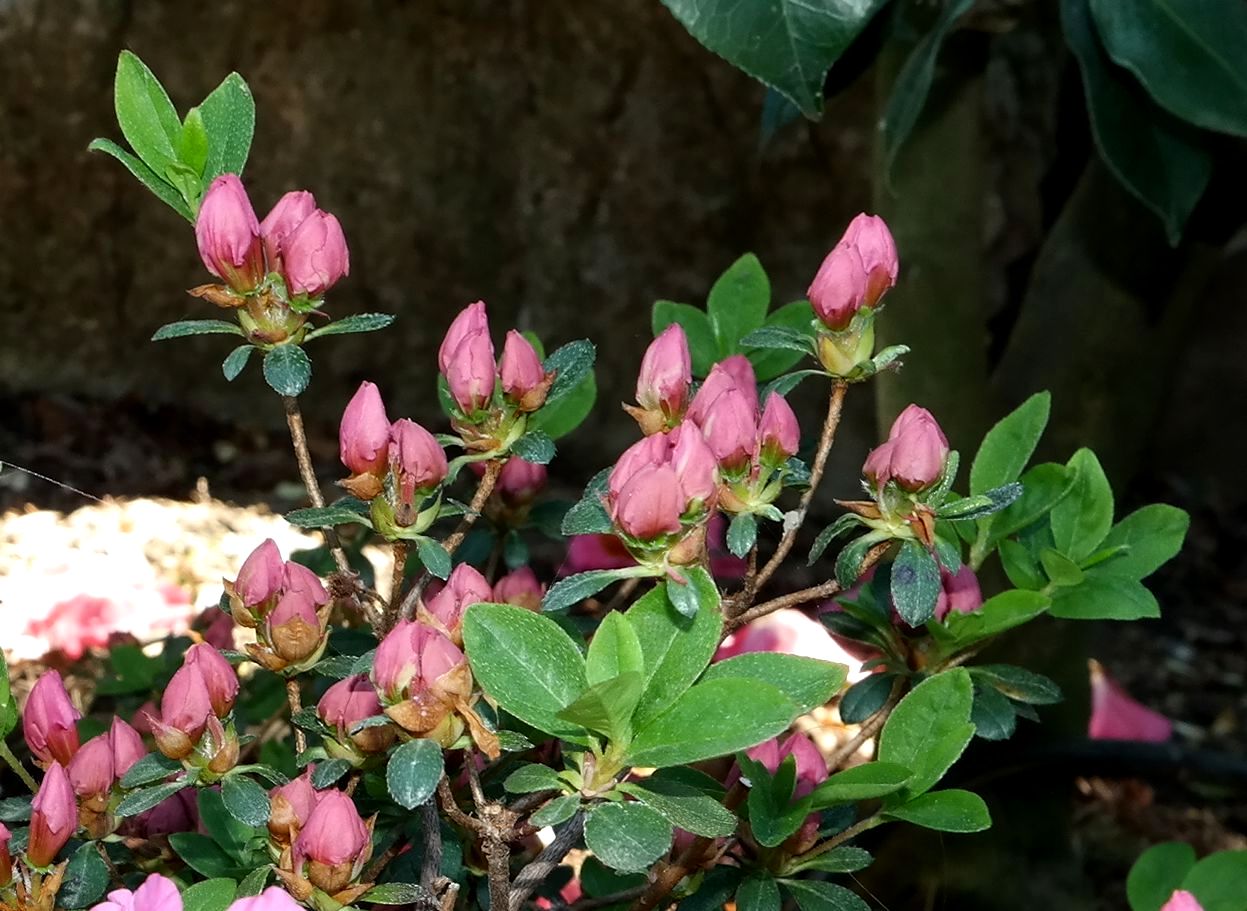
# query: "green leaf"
[849,560]
[742,534]
[146,798]
[329,771]
[712,719]
[627,836]
[1152,535]
[562,417]
[527,664]
[203,855]
[399,894]
[164,190]
[864,782]
[1189,56]
[1042,488]
[1102,597]
[928,730]
[788,45]
[235,361]
[1021,568]
[683,597]
[1157,873]
[86,878]
[534,446]
[1018,683]
[770,363]
[1160,160]
[245,800]
[844,859]
[15,809]
[684,806]
[1007,447]
[229,118]
[781,338]
[145,114]
[820,896]
[196,327]
[571,364]
[999,613]
[359,322]
[915,583]
[945,811]
[8,705]
[913,82]
[865,697]
[254,882]
[738,302]
[587,517]
[758,893]
[773,813]
[233,837]
[1061,570]
[413,772]
[845,523]
[1082,520]
[702,347]
[529,779]
[560,809]
[615,650]
[575,588]
[342,513]
[981,505]
[192,146]
[209,895]
[676,649]
[783,385]
[434,558]
[287,370]
[607,707]
[808,682]
[993,716]
[1219,881]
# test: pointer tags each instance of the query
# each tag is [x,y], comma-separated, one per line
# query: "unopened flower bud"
[778,433]
[219,746]
[914,454]
[959,593]
[855,274]
[290,805]
[6,859]
[466,359]
[694,465]
[870,237]
[91,770]
[731,430]
[465,587]
[524,379]
[259,577]
[650,504]
[334,843]
[519,481]
[420,675]
[418,459]
[185,707]
[298,578]
[666,373]
[294,630]
[364,437]
[734,373]
[228,234]
[126,744]
[346,704]
[519,587]
[314,256]
[290,212]
[218,676]
[49,721]
[53,817]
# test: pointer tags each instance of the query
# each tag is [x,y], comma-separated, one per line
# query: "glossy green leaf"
[192,145]
[399,894]
[607,707]
[808,682]
[245,800]
[145,798]
[358,322]
[684,806]
[1061,570]
[712,719]
[945,811]
[235,361]
[145,114]
[229,119]
[1043,486]
[928,730]
[412,774]
[738,302]
[287,370]
[196,327]
[1082,520]
[864,782]
[774,814]
[164,190]
[768,364]
[328,516]
[702,346]
[615,650]
[993,716]
[527,664]
[742,534]
[329,771]
[558,419]
[865,697]
[560,809]
[434,558]
[1021,568]
[528,779]
[843,859]
[1219,881]
[999,613]
[254,882]
[575,588]
[842,525]
[203,855]
[820,896]
[915,583]
[788,45]
[86,878]
[1157,873]
[1007,447]
[1018,683]
[758,893]
[534,446]
[1104,597]
[1152,536]
[627,836]
[226,832]
[209,895]
[570,364]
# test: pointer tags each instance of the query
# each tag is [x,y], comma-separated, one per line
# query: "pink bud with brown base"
[521,588]
[53,818]
[417,459]
[6,859]
[364,441]
[126,744]
[778,432]
[290,805]
[294,633]
[662,386]
[465,587]
[218,676]
[421,676]
[346,704]
[913,456]
[228,235]
[519,481]
[289,212]
[466,359]
[91,771]
[524,379]
[259,577]
[314,256]
[333,845]
[50,721]
[185,708]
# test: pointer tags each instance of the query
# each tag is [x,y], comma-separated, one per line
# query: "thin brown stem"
[835,406]
[498,858]
[399,550]
[294,698]
[606,901]
[431,866]
[452,542]
[451,807]
[835,841]
[545,863]
[869,729]
[813,593]
[298,437]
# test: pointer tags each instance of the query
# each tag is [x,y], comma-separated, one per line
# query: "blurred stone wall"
[568,162]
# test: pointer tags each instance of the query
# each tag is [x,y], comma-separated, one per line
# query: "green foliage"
[245,800]
[412,774]
[807,682]
[287,370]
[675,648]
[945,811]
[86,878]
[627,836]
[928,731]
[1157,873]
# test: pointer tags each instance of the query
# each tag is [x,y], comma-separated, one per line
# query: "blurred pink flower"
[1117,716]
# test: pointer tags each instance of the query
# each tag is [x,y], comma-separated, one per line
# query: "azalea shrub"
[622,735]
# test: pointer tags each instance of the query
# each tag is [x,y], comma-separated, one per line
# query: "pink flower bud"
[519,587]
[731,429]
[218,676]
[333,843]
[1181,900]
[364,434]
[586,552]
[870,237]
[465,587]
[348,702]
[694,465]
[650,504]
[959,593]
[260,575]
[466,359]
[91,770]
[648,452]
[49,720]
[271,899]
[216,627]
[290,212]
[523,375]
[126,744]
[666,374]
[421,675]
[155,894]
[6,858]
[1117,716]
[314,255]
[53,818]
[519,481]
[738,367]
[185,707]
[298,578]
[914,454]
[294,630]
[778,433]
[733,373]
[290,805]
[856,273]
[418,459]
[228,234]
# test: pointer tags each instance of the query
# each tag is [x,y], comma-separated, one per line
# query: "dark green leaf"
[565,415]
[715,890]
[526,663]
[1157,873]
[849,560]
[703,349]
[684,806]
[607,707]
[245,800]
[1042,488]
[145,114]
[534,446]
[560,809]
[928,730]
[864,782]
[226,832]
[945,811]
[782,385]
[253,883]
[229,118]
[808,682]
[820,896]
[203,855]
[1219,881]
[329,771]
[235,361]
[413,772]
[993,715]
[627,836]
[8,705]
[615,650]
[86,878]
[587,517]
[1082,520]
[1061,570]
[336,668]
[574,589]
[742,534]
[915,583]
[844,859]
[146,798]
[779,337]
[209,895]
[434,558]
[1103,597]
[788,45]
[1021,568]
[1018,683]
[327,516]
[758,893]
[571,364]
[773,813]
[1007,447]
[196,327]
[1152,536]
[146,176]
[400,894]
[982,505]
[15,809]
[152,767]
[770,363]
[359,322]
[287,370]
[845,523]
[999,613]
[684,597]
[738,302]
[865,697]
[528,779]
[712,719]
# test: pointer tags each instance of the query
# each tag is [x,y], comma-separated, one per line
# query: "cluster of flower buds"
[287,606]
[811,772]
[664,382]
[751,448]
[491,399]
[660,495]
[97,768]
[344,706]
[395,466]
[195,725]
[275,271]
[847,290]
[320,841]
